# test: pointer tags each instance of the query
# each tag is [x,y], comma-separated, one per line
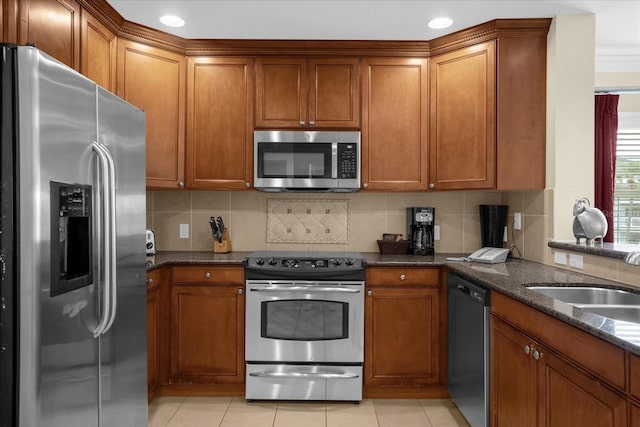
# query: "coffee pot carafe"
[420,222]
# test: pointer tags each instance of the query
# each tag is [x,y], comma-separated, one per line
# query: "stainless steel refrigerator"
[72,258]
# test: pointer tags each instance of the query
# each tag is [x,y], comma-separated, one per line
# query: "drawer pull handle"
[402,277]
[240,291]
[207,275]
[369,293]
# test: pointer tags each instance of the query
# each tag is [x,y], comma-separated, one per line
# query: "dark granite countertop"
[510,278]
[609,250]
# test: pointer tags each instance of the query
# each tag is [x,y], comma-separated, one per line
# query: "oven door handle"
[337,375]
[306,289]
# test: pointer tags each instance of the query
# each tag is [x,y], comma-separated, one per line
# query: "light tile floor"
[236,412]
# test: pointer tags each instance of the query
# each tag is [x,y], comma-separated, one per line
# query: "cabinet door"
[219,123]
[462,126]
[394,124]
[98,52]
[401,336]
[334,93]
[513,378]
[207,334]
[281,92]
[573,398]
[53,26]
[154,80]
[153,323]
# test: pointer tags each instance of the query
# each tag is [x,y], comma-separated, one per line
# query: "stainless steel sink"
[582,295]
[627,313]
[611,303]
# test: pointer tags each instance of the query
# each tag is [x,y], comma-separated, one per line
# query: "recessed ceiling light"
[439,23]
[172,20]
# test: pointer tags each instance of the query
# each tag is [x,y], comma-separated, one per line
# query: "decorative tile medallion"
[307,221]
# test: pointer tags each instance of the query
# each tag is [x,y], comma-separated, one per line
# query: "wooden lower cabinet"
[532,385]
[403,327]
[513,378]
[207,331]
[153,323]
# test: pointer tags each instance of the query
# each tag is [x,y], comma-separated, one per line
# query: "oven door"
[304,321]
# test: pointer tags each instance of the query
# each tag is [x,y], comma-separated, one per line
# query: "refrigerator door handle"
[103,171]
[112,237]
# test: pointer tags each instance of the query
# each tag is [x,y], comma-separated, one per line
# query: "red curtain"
[606,138]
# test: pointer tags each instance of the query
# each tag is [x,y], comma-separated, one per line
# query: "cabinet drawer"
[402,276]
[209,274]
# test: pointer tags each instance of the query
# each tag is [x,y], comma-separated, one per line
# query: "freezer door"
[121,129]
[58,369]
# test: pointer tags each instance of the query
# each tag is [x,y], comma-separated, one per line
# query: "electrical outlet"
[184,231]
[436,232]
[560,258]
[575,261]
[517,221]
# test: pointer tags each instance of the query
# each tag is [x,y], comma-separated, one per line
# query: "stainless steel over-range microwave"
[306,161]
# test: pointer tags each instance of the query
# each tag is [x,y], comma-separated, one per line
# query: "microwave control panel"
[347,161]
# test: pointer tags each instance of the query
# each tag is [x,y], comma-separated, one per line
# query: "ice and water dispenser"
[71,237]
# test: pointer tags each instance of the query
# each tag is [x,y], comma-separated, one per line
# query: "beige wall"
[371,214]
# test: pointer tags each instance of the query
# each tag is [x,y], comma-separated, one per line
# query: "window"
[627,189]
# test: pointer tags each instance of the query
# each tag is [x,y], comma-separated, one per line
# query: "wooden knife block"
[224,246]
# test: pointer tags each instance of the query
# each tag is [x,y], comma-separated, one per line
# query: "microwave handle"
[334,160]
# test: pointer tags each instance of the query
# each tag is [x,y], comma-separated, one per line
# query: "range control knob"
[350,261]
[272,261]
[290,263]
[338,262]
[259,261]
[319,263]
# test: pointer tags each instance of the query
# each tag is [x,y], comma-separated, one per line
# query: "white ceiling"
[617,21]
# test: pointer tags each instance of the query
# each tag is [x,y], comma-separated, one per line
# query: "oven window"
[294,160]
[305,320]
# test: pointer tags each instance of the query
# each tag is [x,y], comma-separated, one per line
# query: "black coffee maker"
[420,222]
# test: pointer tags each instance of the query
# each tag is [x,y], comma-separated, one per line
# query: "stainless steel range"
[304,325]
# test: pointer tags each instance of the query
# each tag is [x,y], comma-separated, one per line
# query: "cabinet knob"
[149,281]
[312,122]
[365,185]
[301,122]
[527,349]
[181,184]
[369,293]
[402,277]
[247,184]
[207,275]
[432,186]
[240,291]
[536,355]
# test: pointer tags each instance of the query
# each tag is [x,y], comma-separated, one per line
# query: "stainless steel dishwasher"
[468,348]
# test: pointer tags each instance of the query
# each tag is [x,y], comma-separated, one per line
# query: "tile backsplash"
[258,221]
[307,221]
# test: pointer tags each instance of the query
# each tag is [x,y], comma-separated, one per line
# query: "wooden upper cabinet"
[308,93]
[53,26]
[219,123]
[521,111]
[462,124]
[98,52]
[154,80]
[395,124]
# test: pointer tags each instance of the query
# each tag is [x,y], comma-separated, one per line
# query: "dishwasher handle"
[470,290]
